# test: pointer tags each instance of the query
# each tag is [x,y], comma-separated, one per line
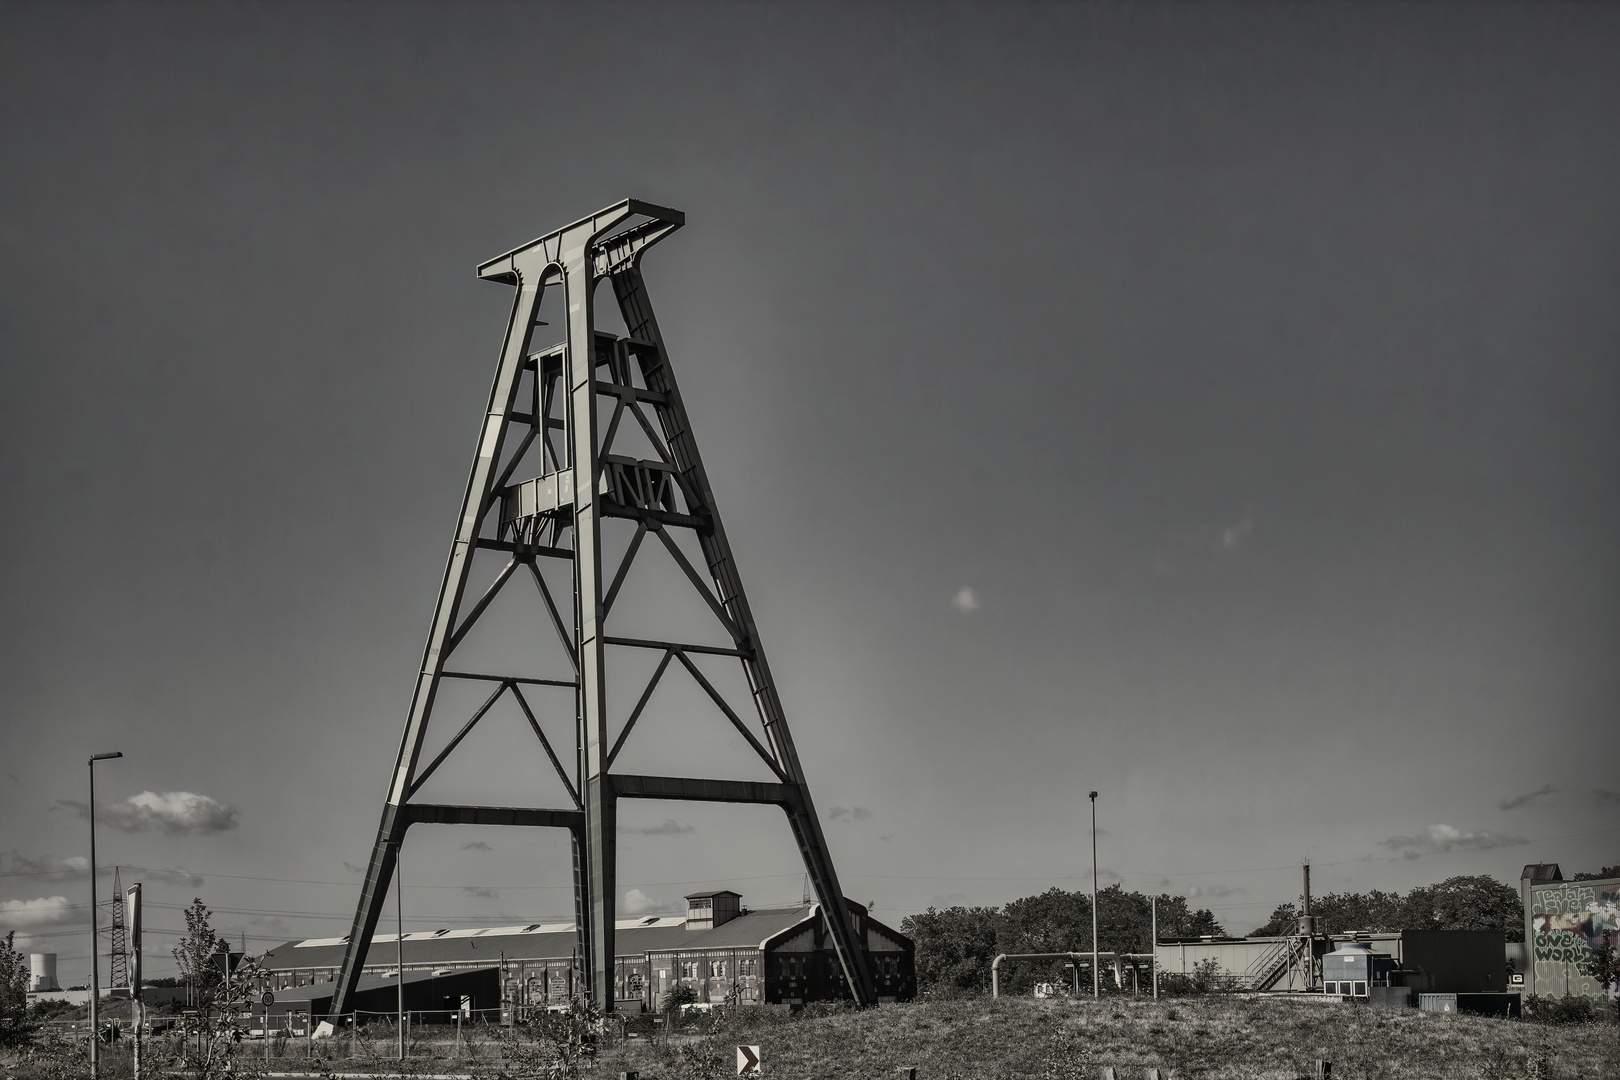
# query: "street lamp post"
[1096,974]
[95,964]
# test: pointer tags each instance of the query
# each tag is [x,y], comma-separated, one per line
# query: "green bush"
[1569,1009]
[677,996]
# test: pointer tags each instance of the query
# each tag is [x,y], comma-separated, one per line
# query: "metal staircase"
[1276,962]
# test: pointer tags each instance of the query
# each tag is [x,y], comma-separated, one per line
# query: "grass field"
[1214,1037]
[1208,1037]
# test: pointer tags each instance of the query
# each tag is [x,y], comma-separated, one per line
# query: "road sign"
[268,999]
[748,1061]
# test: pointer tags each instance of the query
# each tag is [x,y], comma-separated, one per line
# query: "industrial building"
[721,950]
[435,996]
[1352,965]
[1563,922]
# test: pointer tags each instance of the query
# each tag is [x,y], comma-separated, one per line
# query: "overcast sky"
[1213,406]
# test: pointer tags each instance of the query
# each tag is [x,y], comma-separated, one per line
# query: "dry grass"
[1214,1037]
[1208,1038]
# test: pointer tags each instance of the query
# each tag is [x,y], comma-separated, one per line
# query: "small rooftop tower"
[707,910]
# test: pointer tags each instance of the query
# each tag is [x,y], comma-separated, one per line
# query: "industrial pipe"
[1073,958]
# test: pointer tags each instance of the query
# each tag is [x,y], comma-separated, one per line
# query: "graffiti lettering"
[1558,901]
[1563,946]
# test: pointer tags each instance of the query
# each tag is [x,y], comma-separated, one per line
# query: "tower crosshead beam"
[543,410]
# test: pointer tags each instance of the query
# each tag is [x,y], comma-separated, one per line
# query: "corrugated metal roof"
[550,941]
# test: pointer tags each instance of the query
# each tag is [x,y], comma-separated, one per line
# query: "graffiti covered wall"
[1567,920]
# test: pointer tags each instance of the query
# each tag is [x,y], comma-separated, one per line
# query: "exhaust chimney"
[1307,921]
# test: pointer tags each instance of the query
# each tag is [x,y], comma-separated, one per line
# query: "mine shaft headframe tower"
[559,515]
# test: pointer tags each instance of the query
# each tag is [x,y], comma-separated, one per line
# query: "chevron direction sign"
[748,1061]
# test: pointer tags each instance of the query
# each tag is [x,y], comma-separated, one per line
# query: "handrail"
[1267,960]
[1264,971]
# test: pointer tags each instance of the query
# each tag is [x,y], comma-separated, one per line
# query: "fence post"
[1324,1069]
[1107,1072]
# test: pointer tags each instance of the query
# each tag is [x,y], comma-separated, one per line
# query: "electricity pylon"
[119,973]
[559,516]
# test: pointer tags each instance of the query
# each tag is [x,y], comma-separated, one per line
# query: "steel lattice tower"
[118,975]
[559,517]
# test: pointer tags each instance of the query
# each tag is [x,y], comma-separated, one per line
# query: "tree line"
[1476,902]
[956,946]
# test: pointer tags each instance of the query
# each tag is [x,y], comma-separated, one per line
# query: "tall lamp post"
[95,963]
[1096,975]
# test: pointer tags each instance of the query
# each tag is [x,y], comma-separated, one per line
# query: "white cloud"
[177,813]
[42,911]
[855,813]
[47,865]
[637,902]
[965,599]
[479,892]
[1439,839]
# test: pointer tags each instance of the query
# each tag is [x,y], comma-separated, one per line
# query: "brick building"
[771,956]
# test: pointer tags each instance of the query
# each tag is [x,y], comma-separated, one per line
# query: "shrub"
[677,996]
[1569,1009]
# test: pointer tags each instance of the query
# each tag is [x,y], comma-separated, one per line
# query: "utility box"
[1353,969]
[1507,1005]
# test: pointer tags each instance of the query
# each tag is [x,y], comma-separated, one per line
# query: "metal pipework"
[1073,958]
[995,965]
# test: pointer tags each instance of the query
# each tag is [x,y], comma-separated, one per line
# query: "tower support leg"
[373,893]
[601,838]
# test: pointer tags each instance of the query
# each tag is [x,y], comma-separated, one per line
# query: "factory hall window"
[745,967]
[717,969]
[688,969]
